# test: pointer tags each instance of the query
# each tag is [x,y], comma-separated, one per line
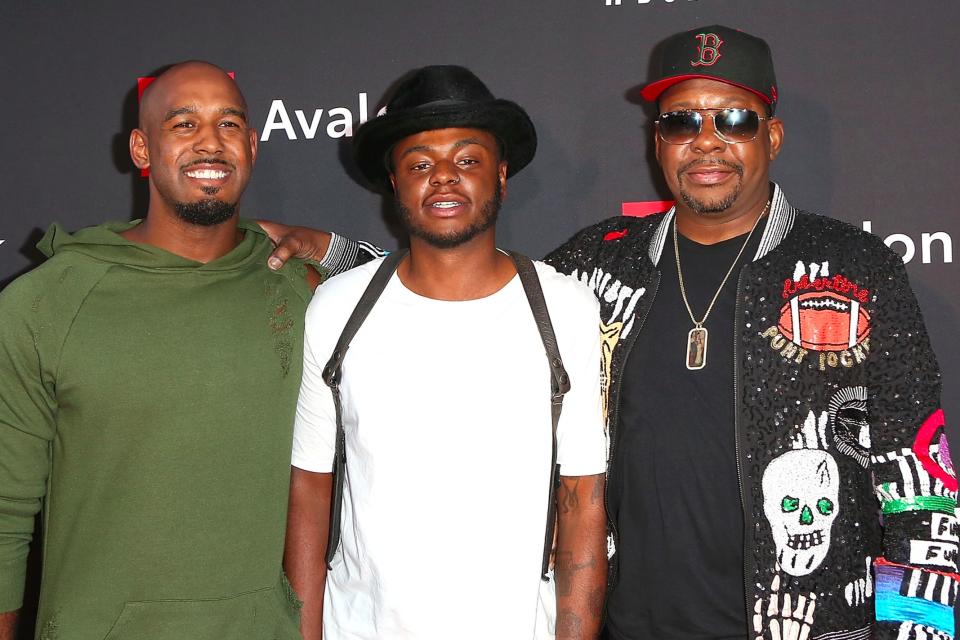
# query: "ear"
[656,144]
[393,183]
[775,133]
[502,178]
[138,149]
[253,146]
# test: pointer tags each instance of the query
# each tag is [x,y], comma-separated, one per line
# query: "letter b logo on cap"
[708,49]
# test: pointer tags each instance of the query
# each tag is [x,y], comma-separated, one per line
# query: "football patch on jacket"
[822,314]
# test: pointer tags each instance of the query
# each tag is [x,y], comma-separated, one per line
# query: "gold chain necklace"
[697,337]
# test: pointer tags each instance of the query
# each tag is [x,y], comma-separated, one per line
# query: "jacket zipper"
[614,416]
[747,564]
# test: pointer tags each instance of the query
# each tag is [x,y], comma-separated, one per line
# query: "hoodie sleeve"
[27,418]
[915,483]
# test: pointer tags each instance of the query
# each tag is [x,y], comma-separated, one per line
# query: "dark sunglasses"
[732,125]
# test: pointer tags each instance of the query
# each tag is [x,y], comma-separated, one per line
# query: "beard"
[488,217]
[205,213]
[707,207]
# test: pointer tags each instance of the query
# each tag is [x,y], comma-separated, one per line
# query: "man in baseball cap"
[444,430]
[771,380]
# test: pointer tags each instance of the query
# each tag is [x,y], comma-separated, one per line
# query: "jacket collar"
[779,222]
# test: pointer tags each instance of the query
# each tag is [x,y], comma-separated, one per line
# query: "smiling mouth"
[206,174]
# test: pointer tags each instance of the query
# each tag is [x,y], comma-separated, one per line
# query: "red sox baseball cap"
[715,53]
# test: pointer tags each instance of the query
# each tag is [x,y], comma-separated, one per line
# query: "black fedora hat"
[442,97]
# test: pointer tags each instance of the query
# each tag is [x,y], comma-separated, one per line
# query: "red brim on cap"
[652,91]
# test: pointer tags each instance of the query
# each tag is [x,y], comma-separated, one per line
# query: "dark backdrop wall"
[868,94]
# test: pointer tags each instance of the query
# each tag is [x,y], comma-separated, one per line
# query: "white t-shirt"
[446,409]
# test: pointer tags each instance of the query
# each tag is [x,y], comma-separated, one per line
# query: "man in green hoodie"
[150,377]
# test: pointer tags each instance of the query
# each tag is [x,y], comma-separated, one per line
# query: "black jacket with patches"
[847,488]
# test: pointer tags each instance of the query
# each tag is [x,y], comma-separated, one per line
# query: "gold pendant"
[697,348]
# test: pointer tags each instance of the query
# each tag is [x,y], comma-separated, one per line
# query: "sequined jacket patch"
[848,487]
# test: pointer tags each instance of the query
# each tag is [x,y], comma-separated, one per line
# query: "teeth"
[803,541]
[445,205]
[207,174]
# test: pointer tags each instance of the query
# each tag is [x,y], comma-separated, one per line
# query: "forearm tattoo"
[569,624]
[566,570]
[567,498]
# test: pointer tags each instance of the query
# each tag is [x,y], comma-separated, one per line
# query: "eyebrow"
[173,113]
[226,111]
[459,144]
[233,111]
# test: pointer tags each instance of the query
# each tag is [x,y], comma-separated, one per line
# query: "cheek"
[408,190]
[671,154]
[669,162]
[482,185]
[170,155]
[756,154]
[244,151]
[752,159]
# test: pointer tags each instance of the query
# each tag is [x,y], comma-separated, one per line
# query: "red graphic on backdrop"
[709,50]
[646,208]
[142,83]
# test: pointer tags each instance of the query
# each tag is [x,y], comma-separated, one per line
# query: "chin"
[713,206]
[206,213]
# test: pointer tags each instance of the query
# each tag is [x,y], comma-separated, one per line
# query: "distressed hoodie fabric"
[147,403]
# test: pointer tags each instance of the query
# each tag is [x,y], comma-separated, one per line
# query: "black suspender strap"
[559,385]
[331,376]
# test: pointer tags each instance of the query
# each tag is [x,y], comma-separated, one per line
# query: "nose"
[708,141]
[444,172]
[207,139]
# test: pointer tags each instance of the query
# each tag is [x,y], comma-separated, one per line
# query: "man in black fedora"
[437,444]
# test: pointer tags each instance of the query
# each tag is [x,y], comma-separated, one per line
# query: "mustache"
[208,161]
[738,169]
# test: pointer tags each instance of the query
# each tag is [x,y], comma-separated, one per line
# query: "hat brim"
[504,119]
[652,91]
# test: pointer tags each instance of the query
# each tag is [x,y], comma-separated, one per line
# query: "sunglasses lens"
[679,127]
[737,125]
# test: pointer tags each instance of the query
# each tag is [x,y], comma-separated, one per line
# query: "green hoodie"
[147,401]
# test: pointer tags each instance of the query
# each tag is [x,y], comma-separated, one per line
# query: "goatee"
[205,213]
[703,207]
